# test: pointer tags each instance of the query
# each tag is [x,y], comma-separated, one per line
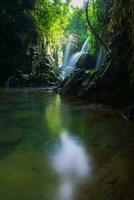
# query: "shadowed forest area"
[66,99]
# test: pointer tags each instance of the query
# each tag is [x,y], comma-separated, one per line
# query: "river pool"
[54,148]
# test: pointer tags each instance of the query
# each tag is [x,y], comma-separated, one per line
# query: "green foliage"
[96,18]
[51,18]
[78,24]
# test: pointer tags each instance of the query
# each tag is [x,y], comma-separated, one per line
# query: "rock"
[86,61]
[71,84]
[79,82]
[42,78]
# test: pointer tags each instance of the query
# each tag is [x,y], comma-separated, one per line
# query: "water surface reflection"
[72,164]
[40,159]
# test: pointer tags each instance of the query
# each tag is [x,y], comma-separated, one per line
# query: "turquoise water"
[62,149]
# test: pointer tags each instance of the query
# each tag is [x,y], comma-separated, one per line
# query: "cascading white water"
[85,46]
[69,65]
[67,51]
[100,58]
[74,59]
[77,55]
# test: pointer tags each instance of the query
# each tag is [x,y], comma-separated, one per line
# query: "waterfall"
[74,59]
[67,51]
[85,46]
[100,58]
[69,64]
[77,55]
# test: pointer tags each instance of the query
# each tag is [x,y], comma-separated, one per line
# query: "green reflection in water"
[53,115]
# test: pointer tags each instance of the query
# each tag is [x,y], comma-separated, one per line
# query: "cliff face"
[119,28]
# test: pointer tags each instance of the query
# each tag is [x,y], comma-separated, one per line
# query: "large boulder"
[71,84]
[86,61]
